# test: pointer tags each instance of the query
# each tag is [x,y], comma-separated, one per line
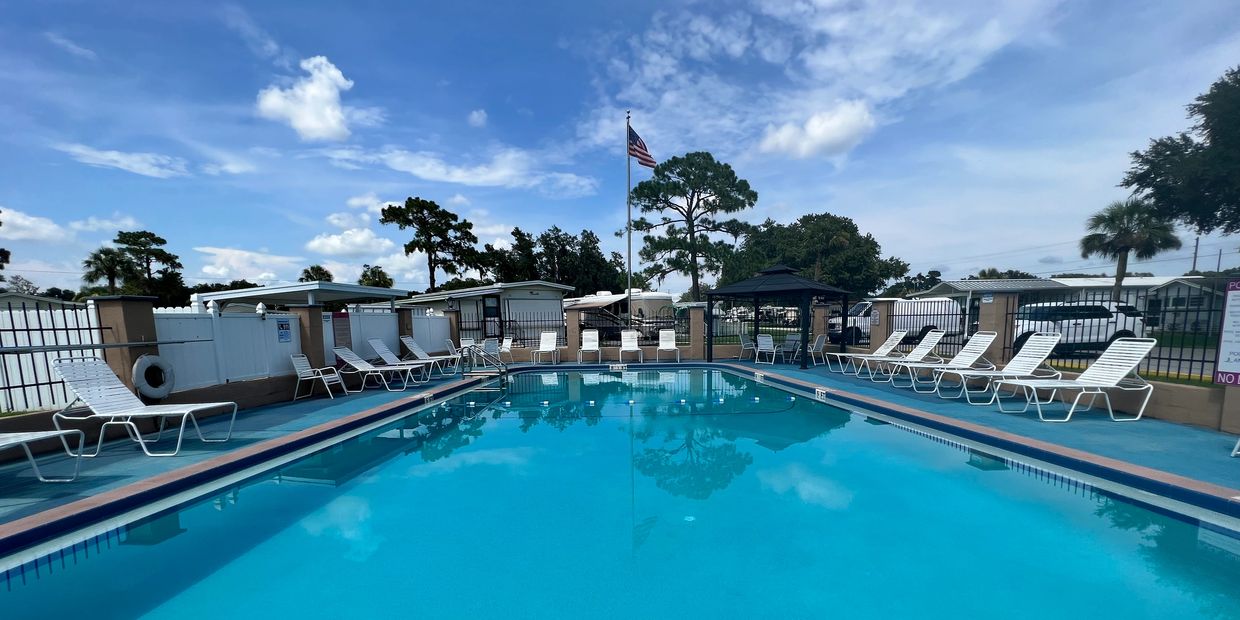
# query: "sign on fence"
[283,332]
[1227,367]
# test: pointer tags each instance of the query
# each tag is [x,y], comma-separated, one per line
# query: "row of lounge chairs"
[1027,374]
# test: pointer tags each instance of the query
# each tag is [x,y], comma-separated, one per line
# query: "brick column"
[995,316]
[880,322]
[697,334]
[310,325]
[126,318]
[572,335]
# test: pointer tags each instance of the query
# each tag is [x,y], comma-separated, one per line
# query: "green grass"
[1188,340]
[1198,379]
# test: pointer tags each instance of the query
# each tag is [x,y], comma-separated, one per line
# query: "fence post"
[697,333]
[310,328]
[821,313]
[880,322]
[454,325]
[572,334]
[130,318]
[995,313]
[404,321]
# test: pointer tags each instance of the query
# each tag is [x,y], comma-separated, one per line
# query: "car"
[1085,325]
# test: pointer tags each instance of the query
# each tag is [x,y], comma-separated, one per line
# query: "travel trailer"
[608,312]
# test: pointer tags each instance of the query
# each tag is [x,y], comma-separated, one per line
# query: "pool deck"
[1185,456]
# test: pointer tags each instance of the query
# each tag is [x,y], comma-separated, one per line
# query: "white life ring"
[153,377]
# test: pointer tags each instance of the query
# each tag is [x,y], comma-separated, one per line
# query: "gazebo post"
[710,329]
[805,330]
[843,323]
[755,322]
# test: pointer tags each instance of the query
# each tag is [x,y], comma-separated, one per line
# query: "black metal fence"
[1185,317]
[918,317]
[31,337]
[524,328]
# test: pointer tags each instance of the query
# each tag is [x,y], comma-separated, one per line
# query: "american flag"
[637,149]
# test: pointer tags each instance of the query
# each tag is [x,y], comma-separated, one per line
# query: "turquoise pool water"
[604,495]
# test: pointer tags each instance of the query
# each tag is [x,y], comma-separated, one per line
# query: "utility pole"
[1196,244]
[1219,266]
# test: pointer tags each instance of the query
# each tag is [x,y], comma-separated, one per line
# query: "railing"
[524,328]
[1184,318]
[31,337]
[920,317]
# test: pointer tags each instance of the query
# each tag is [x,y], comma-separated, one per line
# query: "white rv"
[916,316]
[608,312]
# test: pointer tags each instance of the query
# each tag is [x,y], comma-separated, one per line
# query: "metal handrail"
[476,351]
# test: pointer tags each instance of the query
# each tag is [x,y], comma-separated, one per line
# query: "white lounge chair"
[328,376]
[747,344]
[367,371]
[1236,450]
[667,342]
[970,357]
[9,440]
[547,346]
[446,364]
[589,344]
[766,346]
[628,344]
[878,369]
[94,384]
[390,360]
[506,347]
[1115,369]
[1028,363]
[885,350]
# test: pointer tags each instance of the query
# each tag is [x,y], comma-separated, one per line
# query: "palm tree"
[108,264]
[315,273]
[1126,227]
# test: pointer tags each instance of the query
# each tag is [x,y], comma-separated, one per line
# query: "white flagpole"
[628,201]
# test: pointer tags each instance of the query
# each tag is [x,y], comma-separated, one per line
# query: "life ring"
[153,377]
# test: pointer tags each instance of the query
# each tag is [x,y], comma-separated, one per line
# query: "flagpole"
[628,202]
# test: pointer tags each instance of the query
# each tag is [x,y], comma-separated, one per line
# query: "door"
[492,320]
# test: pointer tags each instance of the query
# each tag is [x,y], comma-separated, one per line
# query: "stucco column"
[126,318]
[994,314]
[880,322]
[1230,420]
[572,335]
[310,326]
[454,325]
[697,334]
[821,313]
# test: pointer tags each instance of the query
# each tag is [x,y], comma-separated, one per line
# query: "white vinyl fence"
[240,347]
[431,331]
[27,381]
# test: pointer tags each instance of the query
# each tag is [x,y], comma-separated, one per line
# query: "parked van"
[1085,325]
[916,316]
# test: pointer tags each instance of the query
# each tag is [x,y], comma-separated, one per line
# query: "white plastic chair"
[970,357]
[93,383]
[667,342]
[506,347]
[446,364]
[766,346]
[490,347]
[589,344]
[9,440]
[628,344]
[790,349]
[1115,369]
[327,375]
[1028,363]
[747,344]
[546,346]
[885,350]
[817,349]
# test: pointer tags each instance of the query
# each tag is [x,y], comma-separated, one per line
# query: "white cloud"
[145,164]
[18,226]
[69,46]
[311,106]
[112,224]
[346,220]
[830,132]
[370,202]
[510,167]
[406,269]
[477,118]
[484,226]
[259,42]
[351,242]
[458,200]
[809,487]
[233,263]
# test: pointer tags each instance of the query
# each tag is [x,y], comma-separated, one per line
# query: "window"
[1196,302]
[490,307]
[1177,302]
[1091,312]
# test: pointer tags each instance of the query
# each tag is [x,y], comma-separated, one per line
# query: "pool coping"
[46,525]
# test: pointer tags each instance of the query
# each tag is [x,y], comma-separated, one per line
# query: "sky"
[261,138]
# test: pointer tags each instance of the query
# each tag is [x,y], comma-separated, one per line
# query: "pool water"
[692,493]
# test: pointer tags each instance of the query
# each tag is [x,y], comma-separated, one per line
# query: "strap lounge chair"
[328,376]
[1028,363]
[1115,369]
[628,344]
[970,357]
[94,384]
[446,364]
[589,344]
[667,342]
[10,440]
[547,346]
[766,346]
[845,361]
[368,371]
[879,370]
[390,359]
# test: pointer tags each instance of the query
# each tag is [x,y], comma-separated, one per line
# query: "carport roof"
[301,293]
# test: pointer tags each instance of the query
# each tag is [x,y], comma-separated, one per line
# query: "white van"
[916,316]
[1085,325]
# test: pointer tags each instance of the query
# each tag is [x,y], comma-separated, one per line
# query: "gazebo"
[778,283]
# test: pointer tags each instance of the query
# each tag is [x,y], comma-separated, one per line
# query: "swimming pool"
[694,493]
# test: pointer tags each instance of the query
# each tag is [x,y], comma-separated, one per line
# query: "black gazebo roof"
[777,281]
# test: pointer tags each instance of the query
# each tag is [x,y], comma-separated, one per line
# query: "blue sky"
[260,138]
